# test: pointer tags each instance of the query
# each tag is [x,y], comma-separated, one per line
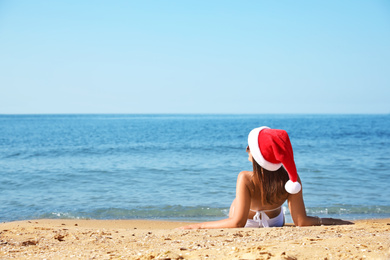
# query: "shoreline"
[157,239]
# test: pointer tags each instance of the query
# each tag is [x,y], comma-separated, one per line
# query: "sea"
[183,167]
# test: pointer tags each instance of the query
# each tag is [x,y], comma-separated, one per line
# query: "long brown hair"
[270,183]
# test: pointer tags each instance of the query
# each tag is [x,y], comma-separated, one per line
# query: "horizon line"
[191,113]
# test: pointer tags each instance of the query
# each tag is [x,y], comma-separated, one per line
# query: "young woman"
[261,193]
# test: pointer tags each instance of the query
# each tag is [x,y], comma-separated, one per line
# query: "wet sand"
[146,239]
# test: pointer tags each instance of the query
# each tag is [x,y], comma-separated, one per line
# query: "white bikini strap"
[263,221]
[267,210]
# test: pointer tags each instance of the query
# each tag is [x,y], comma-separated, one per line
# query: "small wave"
[167,212]
[204,213]
[349,210]
[73,152]
[12,155]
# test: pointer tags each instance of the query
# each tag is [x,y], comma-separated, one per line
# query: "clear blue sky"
[194,56]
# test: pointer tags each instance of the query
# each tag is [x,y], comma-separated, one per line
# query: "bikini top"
[261,217]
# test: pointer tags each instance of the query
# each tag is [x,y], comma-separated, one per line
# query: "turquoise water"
[183,167]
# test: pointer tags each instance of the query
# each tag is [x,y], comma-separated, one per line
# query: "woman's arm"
[241,208]
[298,213]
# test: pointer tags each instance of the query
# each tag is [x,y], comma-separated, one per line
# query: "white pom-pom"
[292,187]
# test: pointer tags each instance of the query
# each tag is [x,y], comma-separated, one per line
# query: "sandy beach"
[146,239]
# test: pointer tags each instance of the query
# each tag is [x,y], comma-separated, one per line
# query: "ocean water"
[183,167]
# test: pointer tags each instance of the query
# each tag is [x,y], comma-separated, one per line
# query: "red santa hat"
[271,148]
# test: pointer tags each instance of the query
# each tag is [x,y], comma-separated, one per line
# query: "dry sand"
[134,239]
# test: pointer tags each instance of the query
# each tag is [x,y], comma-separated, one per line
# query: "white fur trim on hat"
[292,187]
[253,142]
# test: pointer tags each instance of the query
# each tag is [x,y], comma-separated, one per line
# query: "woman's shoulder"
[245,176]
